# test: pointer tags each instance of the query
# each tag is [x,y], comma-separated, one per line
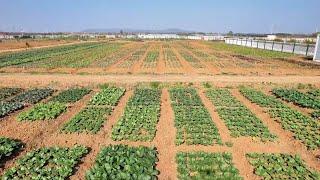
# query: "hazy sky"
[293,16]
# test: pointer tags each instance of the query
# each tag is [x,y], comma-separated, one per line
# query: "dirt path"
[161,65]
[67,80]
[164,140]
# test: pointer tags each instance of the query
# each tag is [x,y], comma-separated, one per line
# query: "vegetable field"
[154,57]
[151,109]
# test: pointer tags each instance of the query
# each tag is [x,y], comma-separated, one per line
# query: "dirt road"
[65,80]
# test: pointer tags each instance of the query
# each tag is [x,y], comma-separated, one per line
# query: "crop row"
[298,98]
[9,107]
[56,105]
[91,118]
[135,57]
[192,120]
[82,58]
[71,95]
[280,166]
[171,60]
[21,100]
[8,147]
[113,57]
[314,93]
[202,165]
[140,118]
[238,118]
[47,163]
[8,92]
[123,162]
[43,111]
[30,56]
[32,96]
[303,127]
[151,59]
[194,62]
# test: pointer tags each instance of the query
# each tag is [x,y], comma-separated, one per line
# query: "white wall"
[317,50]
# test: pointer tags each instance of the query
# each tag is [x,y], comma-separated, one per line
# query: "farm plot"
[280,166]
[24,99]
[32,96]
[25,57]
[305,100]
[202,165]
[56,106]
[124,162]
[8,92]
[71,95]
[47,163]
[140,118]
[115,57]
[91,118]
[151,59]
[134,58]
[171,59]
[238,118]
[192,120]
[82,58]
[194,62]
[43,111]
[8,147]
[303,127]
[296,97]
[9,107]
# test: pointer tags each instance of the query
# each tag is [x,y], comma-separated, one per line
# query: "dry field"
[158,110]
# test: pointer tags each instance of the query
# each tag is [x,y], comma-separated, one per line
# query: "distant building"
[271,37]
[6,36]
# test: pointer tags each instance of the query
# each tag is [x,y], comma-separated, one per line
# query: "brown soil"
[63,80]
[13,45]
[165,138]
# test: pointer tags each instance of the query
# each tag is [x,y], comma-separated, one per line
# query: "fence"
[296,48]
[316,57]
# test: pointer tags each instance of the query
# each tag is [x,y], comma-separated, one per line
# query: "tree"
[230,33]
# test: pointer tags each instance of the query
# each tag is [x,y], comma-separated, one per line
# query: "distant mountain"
[117,30]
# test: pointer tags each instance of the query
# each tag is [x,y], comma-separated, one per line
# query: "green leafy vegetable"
[303,127]
[9,107]
[238,118]
[192,120]
[8,147]
[71,95]
[124,162]
[140,117]
[202,165]
[280,166]
[32,96]
[108,96]
[43,111]
[89,119]
[8,92]
[47,163]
